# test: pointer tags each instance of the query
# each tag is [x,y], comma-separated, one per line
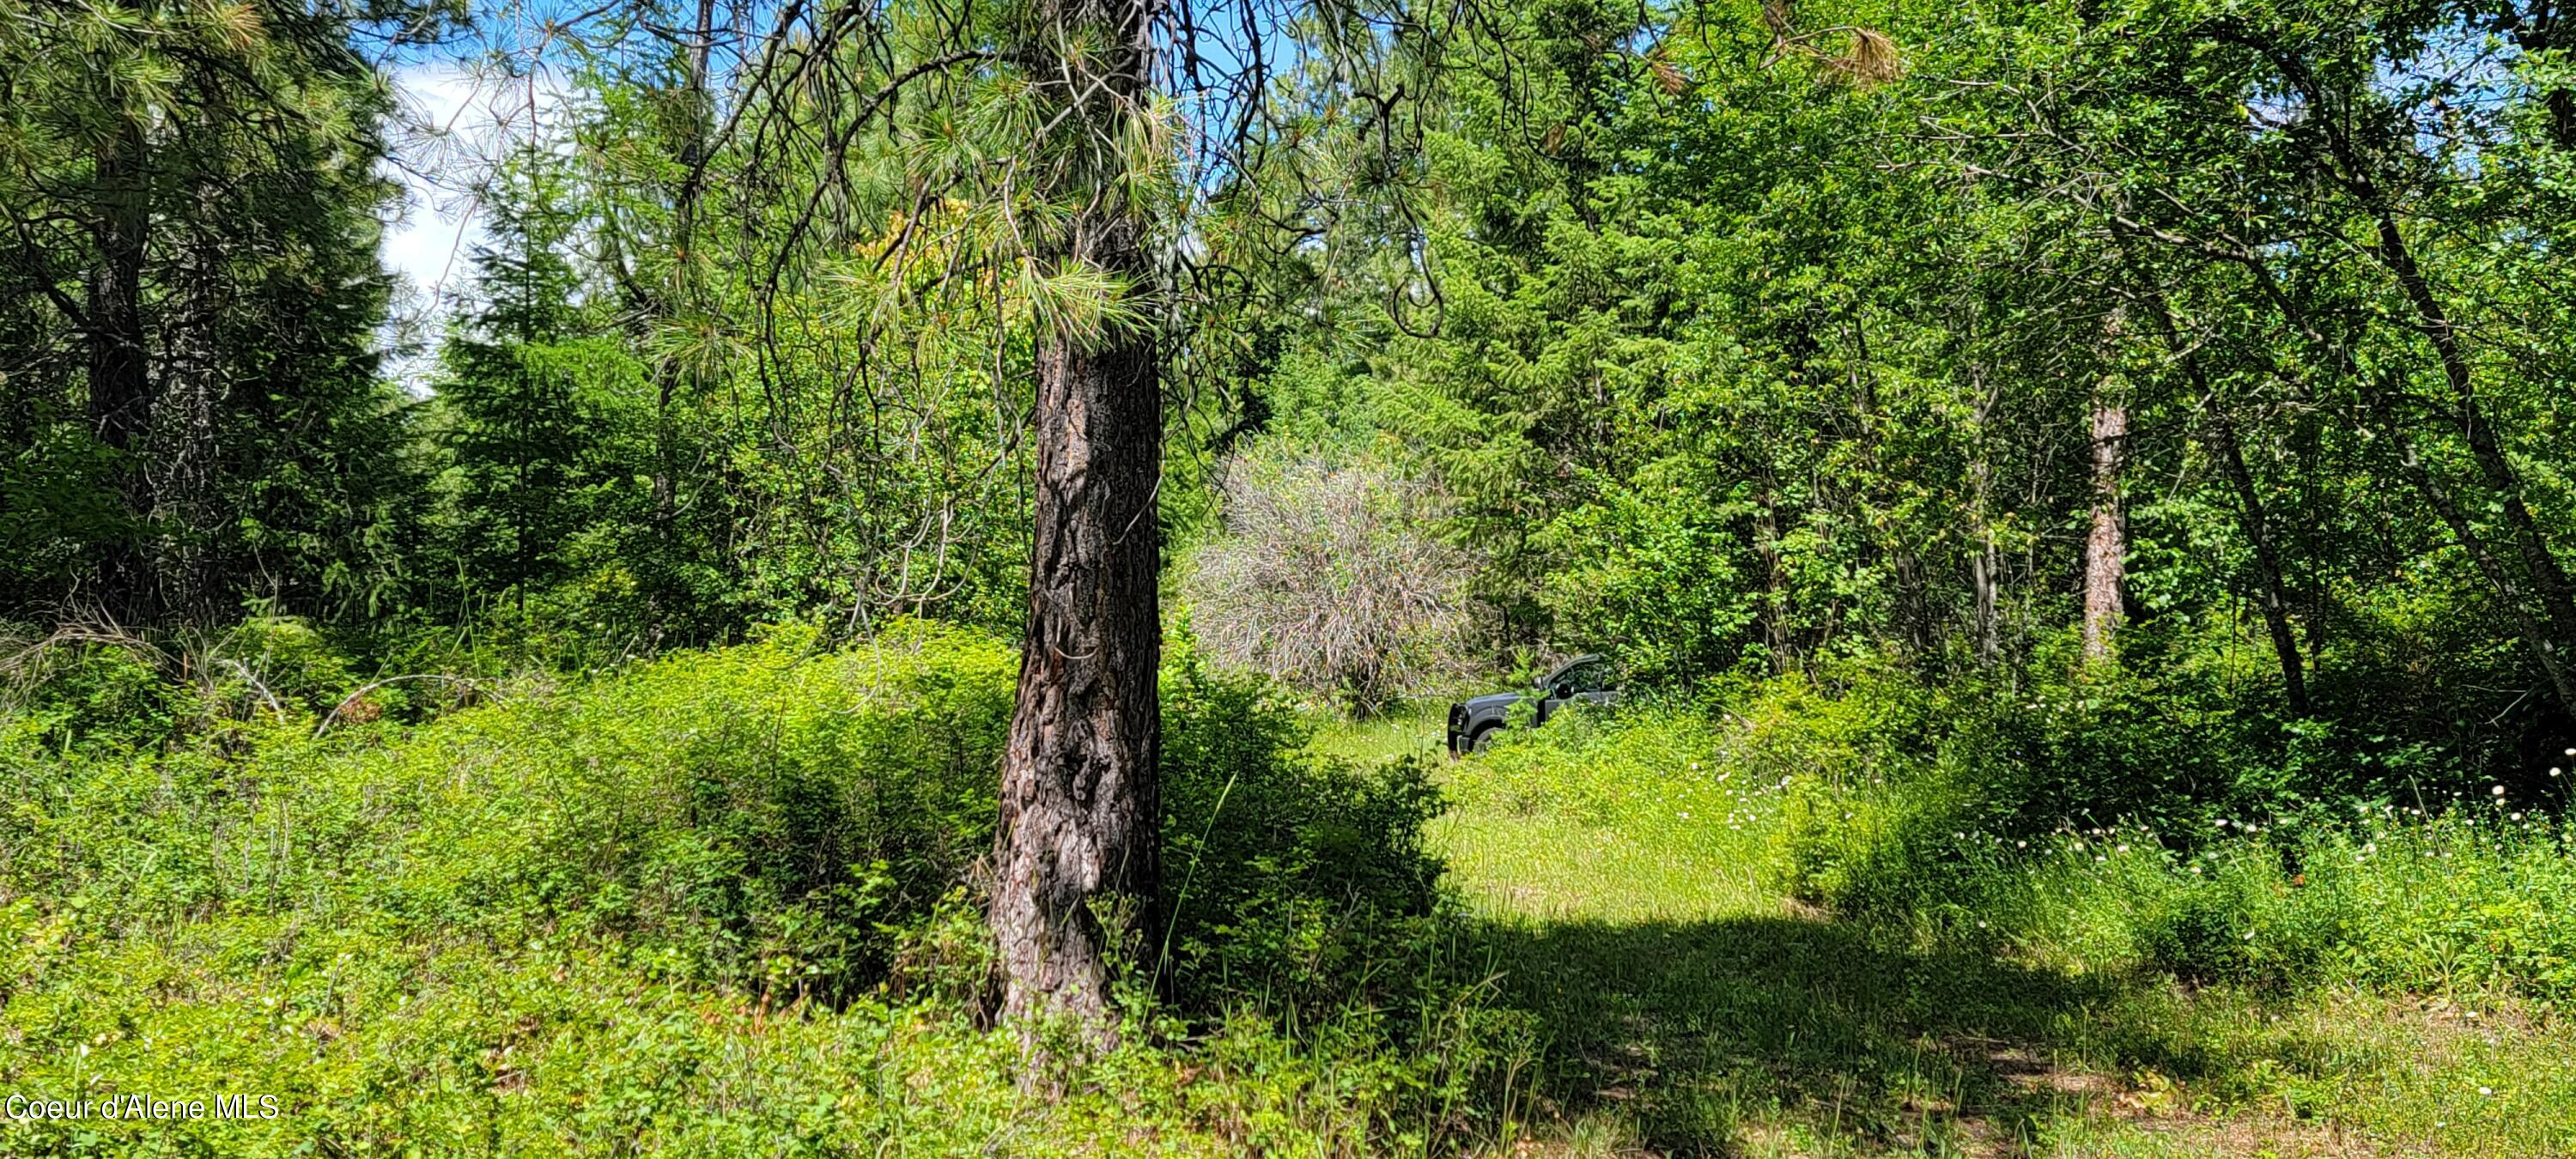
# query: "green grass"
[1406,730]
[598,918]
[1624,888]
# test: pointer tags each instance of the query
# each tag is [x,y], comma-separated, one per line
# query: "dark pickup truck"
[1589,678]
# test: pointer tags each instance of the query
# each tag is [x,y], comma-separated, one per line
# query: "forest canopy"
[1728,338]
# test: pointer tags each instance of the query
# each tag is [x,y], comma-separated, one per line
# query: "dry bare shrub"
[1330,577]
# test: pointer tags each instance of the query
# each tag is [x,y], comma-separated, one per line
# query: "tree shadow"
[1698,1031]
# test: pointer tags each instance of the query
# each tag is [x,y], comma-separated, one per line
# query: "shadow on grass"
[1697,1031]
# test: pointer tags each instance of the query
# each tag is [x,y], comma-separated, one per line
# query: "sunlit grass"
[1406,730]
[1626,885]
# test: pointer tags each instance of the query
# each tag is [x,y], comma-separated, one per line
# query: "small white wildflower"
[2517,816]
[2486,1090]
[2021,845]
[2123,849]
[2195,871]
[2497,791]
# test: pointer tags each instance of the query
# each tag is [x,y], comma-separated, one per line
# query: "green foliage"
[686,905]
[194,419]
[1292,876]
[1994,837]
[104,697]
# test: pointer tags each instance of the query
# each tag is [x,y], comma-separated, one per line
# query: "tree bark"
[1076,860]
[120,381]
[188,391]
[2106,549]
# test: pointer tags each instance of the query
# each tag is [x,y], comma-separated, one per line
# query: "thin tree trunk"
[2549,579]
[2391,420]
[1076,861]
[2106,549]
[1775,583]
[1984,568]
[189,389]
[2250,512]
[2267,563]
[2507,592]
[120,381]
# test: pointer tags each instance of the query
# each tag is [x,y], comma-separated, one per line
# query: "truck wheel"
[1483,738]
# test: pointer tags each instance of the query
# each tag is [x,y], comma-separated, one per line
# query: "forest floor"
[1689,1007]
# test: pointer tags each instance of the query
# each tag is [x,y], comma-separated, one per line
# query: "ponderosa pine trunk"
[120,379]
[2106,548]
[1077,857]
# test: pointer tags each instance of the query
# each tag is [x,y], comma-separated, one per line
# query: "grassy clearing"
[1687,1003]
[709,906]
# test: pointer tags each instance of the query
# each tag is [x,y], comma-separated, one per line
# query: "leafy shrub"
[1287,871]
[700,906]
[66,694]
[2118,822]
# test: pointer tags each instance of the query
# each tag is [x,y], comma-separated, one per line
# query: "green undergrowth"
[716,903]
[722,903]
[1798,921]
